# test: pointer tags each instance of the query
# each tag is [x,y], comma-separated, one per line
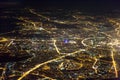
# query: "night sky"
[66,2]
[95,5]
[74,2]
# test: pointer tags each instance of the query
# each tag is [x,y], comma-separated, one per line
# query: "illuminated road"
[64,45]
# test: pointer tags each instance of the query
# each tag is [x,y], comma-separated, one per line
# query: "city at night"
[59,40]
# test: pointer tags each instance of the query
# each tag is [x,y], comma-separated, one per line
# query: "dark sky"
[67,3]
[76,3]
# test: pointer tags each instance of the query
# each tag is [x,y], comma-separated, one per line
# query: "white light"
[72,42]
[41,28]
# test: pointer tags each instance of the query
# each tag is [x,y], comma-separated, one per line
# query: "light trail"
[28,21]
[35,27]
[3,40]
[39,15]
[39,65]
[95,67]
[114,63]
[93,39]
[45,77]
[9,43]
[84,43]
[115,43]
[54,43]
